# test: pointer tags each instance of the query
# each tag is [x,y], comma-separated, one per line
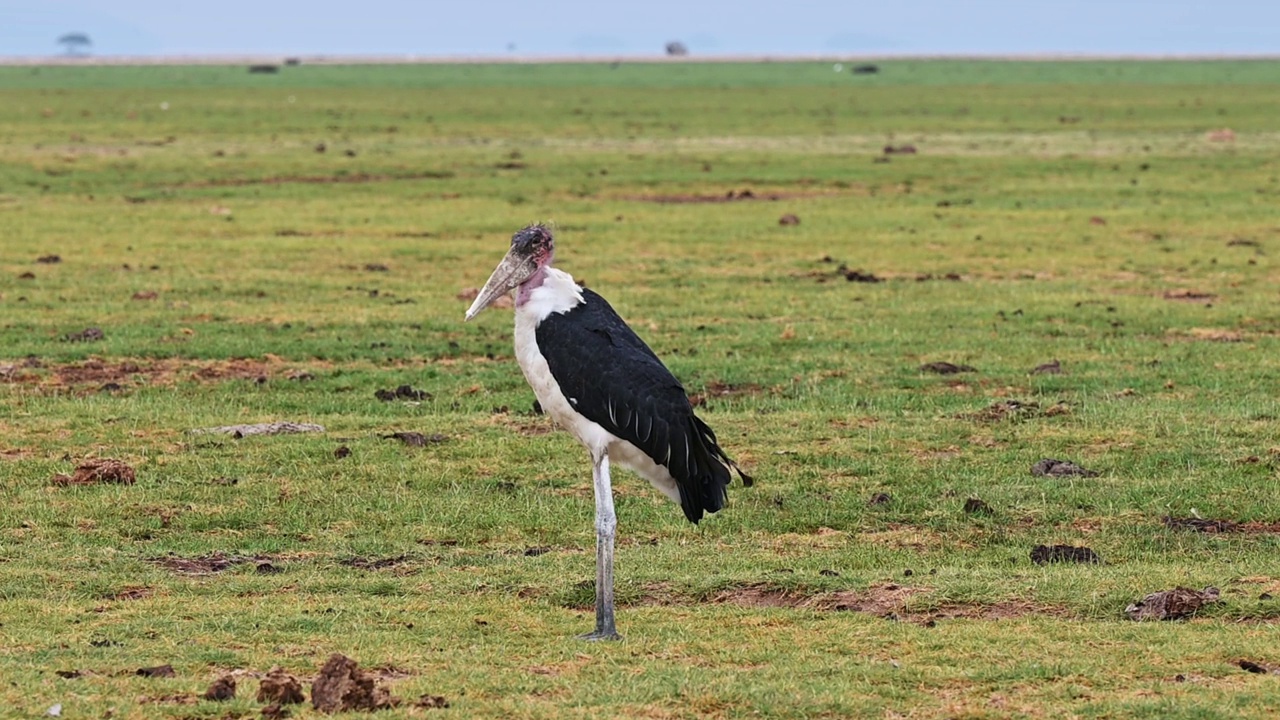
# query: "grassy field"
[279,248]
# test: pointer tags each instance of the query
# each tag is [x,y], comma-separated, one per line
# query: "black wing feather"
[616,381]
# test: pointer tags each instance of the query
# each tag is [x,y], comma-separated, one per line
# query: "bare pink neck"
[525,291]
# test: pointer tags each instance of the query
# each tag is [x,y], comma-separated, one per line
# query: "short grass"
[1085,211]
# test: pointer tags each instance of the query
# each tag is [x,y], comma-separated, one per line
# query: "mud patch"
[1052,367]
[273,428]
[319,179]
[404,392]
[946,368]
[730,196]
[98,372]
[718,390]
[1050,554]
[96,472]
[1012,410]
[416,439]
[1048,467]
[365,563]
[90,334]
[210,564]
[974,506]
[1175,604]
[1189,295]
[1201,525]
[342,686]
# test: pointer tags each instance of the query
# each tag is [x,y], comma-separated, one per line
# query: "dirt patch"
[96,371]
[878,600]
[1050,554]
[207,564]
[273,428]
[342,686]
[1212,334]
[899,150]
[431,702]
[320,179]
[1189,295]
[1049,467]
[416,439]
[946,368]
[1208,525]
[280,688]
[90,334]
[1175,604]
[159,671]
[1052,367]
[365,563]
[1201,525]
[730,196]
[404,392]
[222,689]
[1003,410]
[98,471]
[717,389]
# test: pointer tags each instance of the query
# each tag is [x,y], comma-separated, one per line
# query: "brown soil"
[404,392]
[206,564]
[1175,604]
[946,368]
[91,334]
[719,389]
[159,671]
[342,686]
[1189,295]
[281,688]
[887,600]
[730,196]
[1049,467]
[1050,368]
[1003,410]
[96,471]
[416,439]
[319,179]
[364,563]
[1048,554]
[98,372]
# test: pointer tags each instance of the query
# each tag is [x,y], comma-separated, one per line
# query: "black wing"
[615,380]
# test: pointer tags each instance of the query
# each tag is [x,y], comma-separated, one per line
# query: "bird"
[599,381]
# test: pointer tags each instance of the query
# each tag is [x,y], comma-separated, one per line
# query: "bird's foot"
[598,635]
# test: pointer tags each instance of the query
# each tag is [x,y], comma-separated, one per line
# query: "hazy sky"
[600,27]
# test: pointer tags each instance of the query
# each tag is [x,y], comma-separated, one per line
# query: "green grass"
[256,245]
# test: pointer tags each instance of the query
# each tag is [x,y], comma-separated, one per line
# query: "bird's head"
[532,249]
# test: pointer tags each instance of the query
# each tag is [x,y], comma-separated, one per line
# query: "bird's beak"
[512,271]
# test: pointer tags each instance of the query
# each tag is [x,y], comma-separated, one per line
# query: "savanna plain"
[987,264]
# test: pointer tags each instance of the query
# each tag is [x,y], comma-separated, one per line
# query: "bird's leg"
[606,522]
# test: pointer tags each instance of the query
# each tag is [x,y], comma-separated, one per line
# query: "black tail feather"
[704,482]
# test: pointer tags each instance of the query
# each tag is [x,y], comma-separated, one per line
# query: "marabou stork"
[600,382]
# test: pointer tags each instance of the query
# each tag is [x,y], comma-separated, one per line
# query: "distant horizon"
[553,58]
[588,29]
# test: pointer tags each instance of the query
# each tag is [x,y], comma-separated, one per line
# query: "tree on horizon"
[76,43]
